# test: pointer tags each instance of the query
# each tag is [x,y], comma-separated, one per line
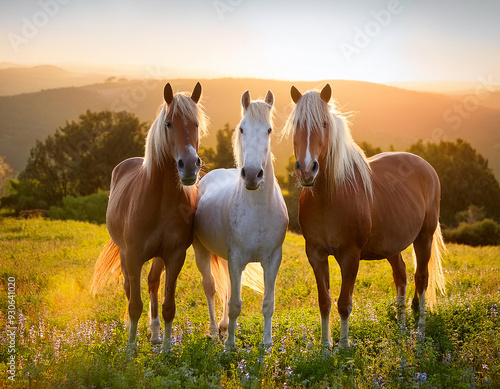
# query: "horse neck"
[322,187]
[268,184]
[164,177]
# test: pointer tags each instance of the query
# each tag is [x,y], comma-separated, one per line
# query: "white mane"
[344,156]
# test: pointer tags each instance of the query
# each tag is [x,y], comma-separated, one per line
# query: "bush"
[24,195]
[483,233]
[90,208]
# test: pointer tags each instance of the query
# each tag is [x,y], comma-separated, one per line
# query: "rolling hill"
[382,115]
[15,80]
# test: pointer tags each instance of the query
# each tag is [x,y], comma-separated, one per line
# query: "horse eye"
[269,131]
[241,130]
[324,124]
[196,125]
[168,124]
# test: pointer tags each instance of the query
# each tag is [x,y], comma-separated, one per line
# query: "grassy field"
[67,338]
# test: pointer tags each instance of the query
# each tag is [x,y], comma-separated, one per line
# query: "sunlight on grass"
[67,338]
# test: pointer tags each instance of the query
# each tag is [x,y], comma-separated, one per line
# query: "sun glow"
[379,42]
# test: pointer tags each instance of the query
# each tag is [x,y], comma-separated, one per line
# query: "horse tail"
[220,275]
[107,268]
[436,275]
[253,277]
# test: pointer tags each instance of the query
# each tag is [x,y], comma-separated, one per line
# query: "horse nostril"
[297,165]
[260,174]
[198,162]
[243,172]
[315,166]
[180,164]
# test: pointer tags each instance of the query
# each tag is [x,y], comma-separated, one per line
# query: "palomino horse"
[356,208]
[152,203]
[241,216]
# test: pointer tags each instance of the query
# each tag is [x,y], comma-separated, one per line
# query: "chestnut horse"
[356,208]
[152,203]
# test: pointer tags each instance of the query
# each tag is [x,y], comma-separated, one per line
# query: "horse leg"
[202,256]
[153,285]
[422,247]
[126,288]
[173,267]
[349,265]
[399,275]
[271,268]
[235,269]
[318,259]
[133,286]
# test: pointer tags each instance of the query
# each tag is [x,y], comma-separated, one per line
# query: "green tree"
[79,158]
[369,149]
[465,178]
[222,155]
[26,194]
[6,174]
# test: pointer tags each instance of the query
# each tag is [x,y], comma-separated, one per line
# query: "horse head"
[182,132]
[252,139]
[310,132]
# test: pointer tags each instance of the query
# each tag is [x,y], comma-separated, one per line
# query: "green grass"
[67,338]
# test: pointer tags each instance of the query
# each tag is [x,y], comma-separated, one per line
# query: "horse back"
[406,197]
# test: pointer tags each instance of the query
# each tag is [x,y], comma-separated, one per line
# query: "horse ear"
[245,99]
[269,98]
[296,95]
[326,93]
[195,96]
[168,95]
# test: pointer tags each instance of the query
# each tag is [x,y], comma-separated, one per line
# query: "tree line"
[76,163]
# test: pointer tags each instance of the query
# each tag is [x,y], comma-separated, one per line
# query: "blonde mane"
[257,111]
[157,147]
[344,156]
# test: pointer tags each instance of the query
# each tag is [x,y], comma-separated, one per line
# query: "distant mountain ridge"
[383,115]
[17,80]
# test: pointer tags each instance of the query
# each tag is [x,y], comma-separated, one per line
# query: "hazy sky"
[380,41]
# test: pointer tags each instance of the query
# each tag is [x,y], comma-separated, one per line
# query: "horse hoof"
[326,345]
[213,333]
[166,345]
[131,349]
[223,333]
[155,340]
[344,343]
[266,346]
[230,346]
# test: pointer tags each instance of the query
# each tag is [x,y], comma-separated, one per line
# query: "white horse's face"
[255,145]
[255,140]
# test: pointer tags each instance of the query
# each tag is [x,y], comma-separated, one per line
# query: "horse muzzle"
[307,175]
[188,170]
[252,177]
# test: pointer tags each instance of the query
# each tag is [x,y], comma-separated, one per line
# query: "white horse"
[241,216]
